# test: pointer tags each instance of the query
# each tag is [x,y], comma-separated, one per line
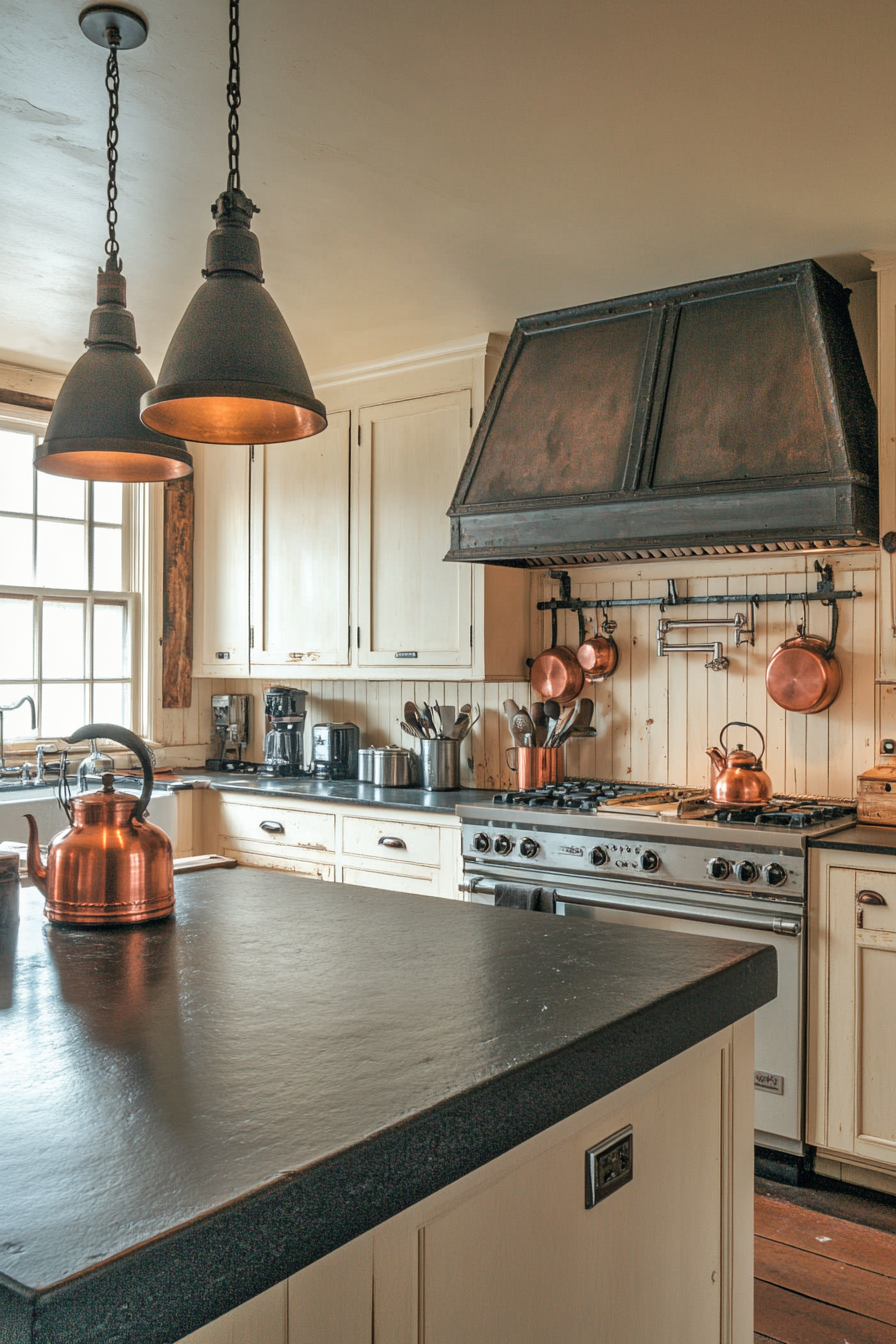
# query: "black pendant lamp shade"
[233,373]
[95,431]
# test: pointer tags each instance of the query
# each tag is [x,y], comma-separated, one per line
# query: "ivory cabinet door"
[221,559]
[414,610]
[861,1005]
[525,1262]
[300,551]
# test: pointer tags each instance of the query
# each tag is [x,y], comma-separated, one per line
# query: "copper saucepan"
[599,655]
[803,676]
[556,673]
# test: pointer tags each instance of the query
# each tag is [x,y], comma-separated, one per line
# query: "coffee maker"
[230,715]
[284,743]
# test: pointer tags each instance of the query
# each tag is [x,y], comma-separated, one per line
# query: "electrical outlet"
[609,1165]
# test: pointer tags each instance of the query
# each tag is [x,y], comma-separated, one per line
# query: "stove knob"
[649,861]
[774,874]
[718,868]
[503,844]
[529,847]
[481,843]
[599,856]
[745,871]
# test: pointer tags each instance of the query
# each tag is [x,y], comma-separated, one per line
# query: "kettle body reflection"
[112,866]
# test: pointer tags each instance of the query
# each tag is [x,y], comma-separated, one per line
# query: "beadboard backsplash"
[655,716]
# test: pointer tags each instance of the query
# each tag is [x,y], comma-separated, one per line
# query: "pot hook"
[835,625]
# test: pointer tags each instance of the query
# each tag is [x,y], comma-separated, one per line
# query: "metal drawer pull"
[866,898]
[275,827]
[391,842]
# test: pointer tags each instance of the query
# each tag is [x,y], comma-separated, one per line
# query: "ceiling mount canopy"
[233,373]
[95,432]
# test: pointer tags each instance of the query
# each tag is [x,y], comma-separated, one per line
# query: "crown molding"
[487,343]
[881,258]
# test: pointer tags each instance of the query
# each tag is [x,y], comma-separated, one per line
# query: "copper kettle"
[738,778]
[111,866]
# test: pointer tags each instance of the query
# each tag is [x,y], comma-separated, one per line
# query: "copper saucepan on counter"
[803,676]
[556,673]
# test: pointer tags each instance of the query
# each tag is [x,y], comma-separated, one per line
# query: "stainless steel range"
[664,858]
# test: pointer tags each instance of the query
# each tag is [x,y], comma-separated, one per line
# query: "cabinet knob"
[391,842]
[275,827]
[864,898]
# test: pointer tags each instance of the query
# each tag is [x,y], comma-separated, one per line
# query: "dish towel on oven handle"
[516,897]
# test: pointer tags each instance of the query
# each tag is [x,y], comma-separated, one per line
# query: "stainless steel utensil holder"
[439,764]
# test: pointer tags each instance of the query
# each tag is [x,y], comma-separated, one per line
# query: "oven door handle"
[788,927]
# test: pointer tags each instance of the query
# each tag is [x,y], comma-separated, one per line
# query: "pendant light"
[95,432]
[233,373]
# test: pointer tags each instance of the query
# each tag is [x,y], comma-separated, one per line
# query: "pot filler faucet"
[6,709]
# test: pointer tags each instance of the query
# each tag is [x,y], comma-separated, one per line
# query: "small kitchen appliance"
[230,716]
[666,858]
[738,779]
[334,750]
[111,866]
[284,742]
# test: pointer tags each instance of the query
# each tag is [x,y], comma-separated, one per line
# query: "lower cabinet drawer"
[416,884]
[397,841]
[279,826]
[251,858]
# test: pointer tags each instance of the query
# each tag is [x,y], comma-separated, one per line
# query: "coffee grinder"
[284,743]
[230,715]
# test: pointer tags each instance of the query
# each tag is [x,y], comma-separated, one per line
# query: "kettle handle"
[739,723]
[125,738]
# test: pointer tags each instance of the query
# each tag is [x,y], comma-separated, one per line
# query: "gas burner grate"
[797,814]
[575,795]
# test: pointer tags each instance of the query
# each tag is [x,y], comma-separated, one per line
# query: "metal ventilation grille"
[677,552]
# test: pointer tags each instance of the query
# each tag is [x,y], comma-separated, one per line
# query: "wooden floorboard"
[826,1280]
[835,1238]
[819,1278]
[790,1318]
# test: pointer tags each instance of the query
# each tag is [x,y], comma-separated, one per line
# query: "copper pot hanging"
[803,676]
[599,655]
[556,673]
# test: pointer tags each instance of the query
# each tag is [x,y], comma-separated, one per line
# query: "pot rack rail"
[823,592]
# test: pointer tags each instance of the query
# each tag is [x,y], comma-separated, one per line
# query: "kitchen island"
[194,1112]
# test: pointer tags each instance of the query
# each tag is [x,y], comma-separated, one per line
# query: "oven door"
[780,1025]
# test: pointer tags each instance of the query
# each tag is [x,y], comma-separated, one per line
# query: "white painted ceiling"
[428,171]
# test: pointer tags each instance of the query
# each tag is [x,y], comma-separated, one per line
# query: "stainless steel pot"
[386,767]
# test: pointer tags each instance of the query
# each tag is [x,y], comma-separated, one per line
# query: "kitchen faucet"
[5,709]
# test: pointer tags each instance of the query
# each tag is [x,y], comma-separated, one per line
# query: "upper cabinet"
[414,610]
[221,560]
[300,551]
[325,557]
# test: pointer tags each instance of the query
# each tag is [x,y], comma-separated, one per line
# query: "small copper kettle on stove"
[111,866]
[738,779]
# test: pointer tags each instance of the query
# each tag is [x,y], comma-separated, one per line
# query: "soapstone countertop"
[342,791]
[192,1110]
[860,839]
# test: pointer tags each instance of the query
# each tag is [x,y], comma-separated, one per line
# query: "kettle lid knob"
[108,783]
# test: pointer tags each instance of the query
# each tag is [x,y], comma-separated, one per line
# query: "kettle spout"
[717,759]
[36,870]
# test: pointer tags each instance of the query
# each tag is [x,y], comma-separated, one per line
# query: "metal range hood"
[727,415]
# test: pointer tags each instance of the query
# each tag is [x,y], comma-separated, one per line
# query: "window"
[66,613]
